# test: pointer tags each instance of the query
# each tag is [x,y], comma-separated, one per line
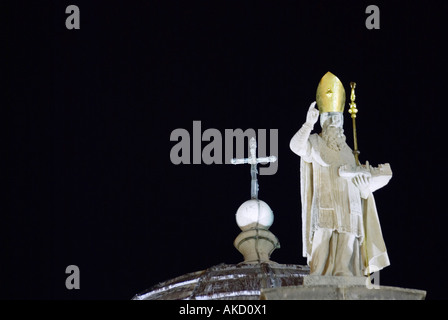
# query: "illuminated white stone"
[254,213]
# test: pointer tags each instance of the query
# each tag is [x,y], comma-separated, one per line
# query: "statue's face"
[332,131]
[331,120]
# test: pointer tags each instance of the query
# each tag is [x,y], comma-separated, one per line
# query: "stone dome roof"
[227,282]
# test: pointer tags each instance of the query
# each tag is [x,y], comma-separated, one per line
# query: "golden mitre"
[330,95]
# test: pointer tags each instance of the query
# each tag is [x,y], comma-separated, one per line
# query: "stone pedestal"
[256,245]
[340,288]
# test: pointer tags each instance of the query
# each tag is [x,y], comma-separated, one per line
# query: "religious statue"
[340,227]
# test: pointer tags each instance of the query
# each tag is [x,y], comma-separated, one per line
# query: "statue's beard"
[334,138]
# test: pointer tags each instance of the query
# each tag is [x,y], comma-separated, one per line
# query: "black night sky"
[89,114]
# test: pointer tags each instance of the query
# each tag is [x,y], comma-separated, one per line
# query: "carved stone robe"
[334,203]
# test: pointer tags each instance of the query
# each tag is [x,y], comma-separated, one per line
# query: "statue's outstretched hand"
[362,182]
[312,115]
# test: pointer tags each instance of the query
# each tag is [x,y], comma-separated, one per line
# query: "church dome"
[242,281]
[227,282]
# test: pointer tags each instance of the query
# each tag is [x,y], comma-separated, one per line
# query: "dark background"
[89,115]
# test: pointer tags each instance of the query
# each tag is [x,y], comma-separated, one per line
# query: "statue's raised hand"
[312,115]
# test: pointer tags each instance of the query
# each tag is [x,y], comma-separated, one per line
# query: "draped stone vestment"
[334,203]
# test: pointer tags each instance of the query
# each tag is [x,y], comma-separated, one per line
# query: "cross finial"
[253,161]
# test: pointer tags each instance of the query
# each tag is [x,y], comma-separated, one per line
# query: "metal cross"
[253,161]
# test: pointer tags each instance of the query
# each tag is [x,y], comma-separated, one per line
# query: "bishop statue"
[340,226]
